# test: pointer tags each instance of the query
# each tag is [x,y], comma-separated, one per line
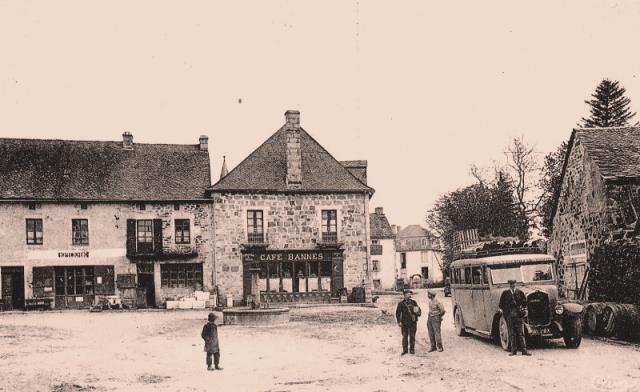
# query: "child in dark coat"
[211,346]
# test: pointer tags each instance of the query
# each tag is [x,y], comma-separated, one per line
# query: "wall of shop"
[291,221]
[107,228]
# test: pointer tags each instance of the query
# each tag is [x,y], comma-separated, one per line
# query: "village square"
[307,198]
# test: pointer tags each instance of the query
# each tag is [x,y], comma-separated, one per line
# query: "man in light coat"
[434,321]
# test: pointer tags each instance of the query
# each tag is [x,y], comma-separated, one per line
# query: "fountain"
[256,314]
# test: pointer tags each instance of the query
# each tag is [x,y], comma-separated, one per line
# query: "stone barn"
[599,200]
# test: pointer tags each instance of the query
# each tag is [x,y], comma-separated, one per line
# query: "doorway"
[146,282]
[12,287]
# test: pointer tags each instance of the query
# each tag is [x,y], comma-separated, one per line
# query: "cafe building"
[84,220]
[295,215]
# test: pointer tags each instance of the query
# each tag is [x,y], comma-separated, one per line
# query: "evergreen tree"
[609,106]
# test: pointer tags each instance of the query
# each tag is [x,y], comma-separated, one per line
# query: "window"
[476,275]
[142,206]
[485,275]
[79,231]
[425,272]
[375,266]
[181,275]
[467,275]
[74,280]
[83,206]
[255,229]
[329,225]
[34,231]
[183,233]
[32,206]
[403,261]
[145,235]
[456,276]
[176,206]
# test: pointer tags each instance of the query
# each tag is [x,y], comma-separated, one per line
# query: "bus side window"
[476,275]
[467,275]
[456,275]
[485,275]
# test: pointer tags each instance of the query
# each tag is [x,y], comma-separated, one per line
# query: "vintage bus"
[478,282]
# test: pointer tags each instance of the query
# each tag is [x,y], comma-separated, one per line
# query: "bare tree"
[526,171]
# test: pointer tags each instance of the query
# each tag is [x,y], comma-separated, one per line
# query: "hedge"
[615,274]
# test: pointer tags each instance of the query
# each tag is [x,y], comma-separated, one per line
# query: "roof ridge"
[3,139]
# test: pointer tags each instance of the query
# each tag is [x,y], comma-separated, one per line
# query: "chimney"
[294,152]
[204,143]
[379,211]
[127,140]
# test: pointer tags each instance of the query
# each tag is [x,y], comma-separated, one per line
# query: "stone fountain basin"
[246,316]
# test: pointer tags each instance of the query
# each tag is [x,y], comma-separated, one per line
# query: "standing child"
[211,346]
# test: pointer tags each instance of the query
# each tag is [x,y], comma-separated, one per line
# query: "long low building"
[84,219]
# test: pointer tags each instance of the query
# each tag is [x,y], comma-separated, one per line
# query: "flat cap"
[510,281]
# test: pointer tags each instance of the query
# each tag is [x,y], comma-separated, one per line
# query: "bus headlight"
[559,309]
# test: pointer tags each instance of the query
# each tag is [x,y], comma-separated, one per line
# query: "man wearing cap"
[407,314]
[434,320]
[513,304]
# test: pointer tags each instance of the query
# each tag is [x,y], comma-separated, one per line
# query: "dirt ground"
[322,349]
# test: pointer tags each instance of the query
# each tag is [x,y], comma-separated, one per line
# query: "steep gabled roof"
[265,169]
[35,169]
[380,227]
[615,151]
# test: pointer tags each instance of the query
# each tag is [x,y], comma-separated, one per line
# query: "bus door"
[479,291]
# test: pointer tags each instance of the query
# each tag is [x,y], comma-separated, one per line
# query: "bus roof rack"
[482,252]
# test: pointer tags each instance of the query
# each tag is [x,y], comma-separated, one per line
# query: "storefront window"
[181,275]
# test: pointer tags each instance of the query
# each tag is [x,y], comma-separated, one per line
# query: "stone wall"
[107,235]
[291,221]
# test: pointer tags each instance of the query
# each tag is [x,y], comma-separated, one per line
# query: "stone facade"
[107,228]
[590,211]
[291,222]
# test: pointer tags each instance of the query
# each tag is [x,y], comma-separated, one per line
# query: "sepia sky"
[420,89]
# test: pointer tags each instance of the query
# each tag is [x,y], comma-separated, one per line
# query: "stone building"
[599,199]
[383,251]
[419,257]
[296,214]
[84,219]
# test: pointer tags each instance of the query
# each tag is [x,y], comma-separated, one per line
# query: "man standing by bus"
[513,303]
[407,314]
[434,321]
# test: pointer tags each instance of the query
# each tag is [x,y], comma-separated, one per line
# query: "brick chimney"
[204,142]
[379,211]
[294,152]
[127,140]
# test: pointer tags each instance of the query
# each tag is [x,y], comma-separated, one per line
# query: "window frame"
[181,275]
[329,221]
[255,231]
[375,265]
[35,240]
[180,237]
[76,232]
[148,238]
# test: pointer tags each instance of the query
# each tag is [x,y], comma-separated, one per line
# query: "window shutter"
[157,235]
[131,236]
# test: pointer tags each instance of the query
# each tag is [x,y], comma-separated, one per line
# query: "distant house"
[383,251]
[419,257]
[599,199]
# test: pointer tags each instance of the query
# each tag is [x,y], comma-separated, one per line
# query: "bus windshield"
[523,273]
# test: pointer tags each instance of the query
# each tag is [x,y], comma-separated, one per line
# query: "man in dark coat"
[407,314]
[513,303]
[211,347]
